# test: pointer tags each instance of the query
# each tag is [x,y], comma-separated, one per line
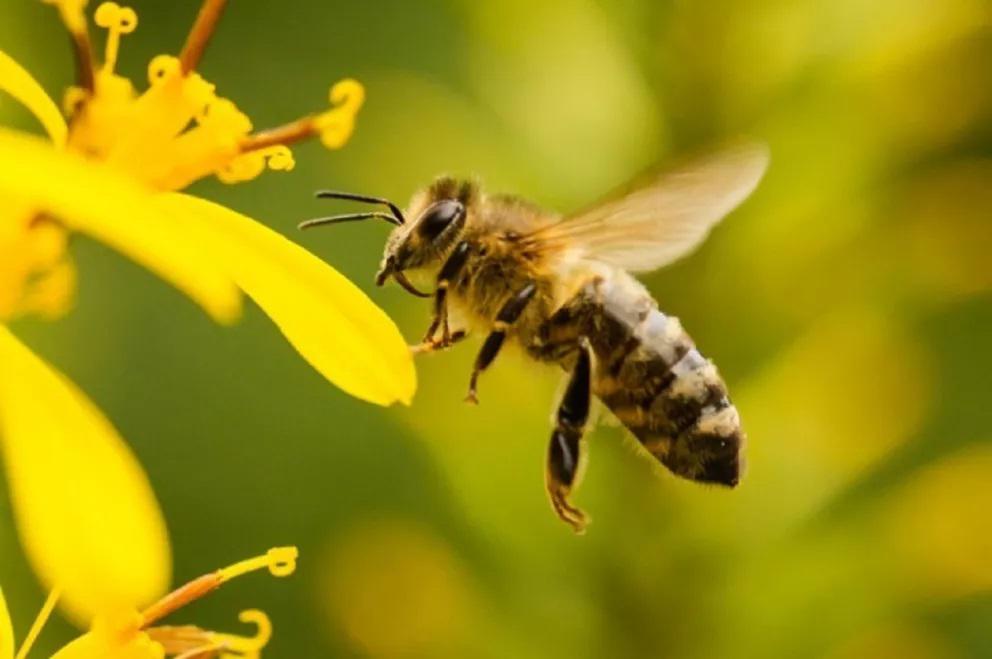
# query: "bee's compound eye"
[436,218]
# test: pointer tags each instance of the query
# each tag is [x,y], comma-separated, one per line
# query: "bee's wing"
[667,217]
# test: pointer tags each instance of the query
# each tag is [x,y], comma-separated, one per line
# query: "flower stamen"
[183,640]
[280,562]
[38,624]
[71,12]
[192,641]
[83,51]
[334,126]
[291,133]
[205,652]
[180,597]
[117,20]
[199,36]
[247,646]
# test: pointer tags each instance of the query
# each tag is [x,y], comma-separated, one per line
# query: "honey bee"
[561,287]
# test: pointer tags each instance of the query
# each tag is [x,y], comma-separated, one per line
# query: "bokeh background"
[848,304]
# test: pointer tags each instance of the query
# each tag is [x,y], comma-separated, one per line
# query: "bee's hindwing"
[651,376]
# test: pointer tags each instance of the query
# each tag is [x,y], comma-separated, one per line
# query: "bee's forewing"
[666,218]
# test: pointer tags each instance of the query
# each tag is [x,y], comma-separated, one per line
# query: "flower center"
[134,634]
[179,130]
[189,640]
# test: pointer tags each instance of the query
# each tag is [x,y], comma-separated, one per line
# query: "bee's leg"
[564,452]
[508,314]
[451,268]
[436,345]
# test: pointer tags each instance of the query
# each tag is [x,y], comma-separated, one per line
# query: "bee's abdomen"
[652,377]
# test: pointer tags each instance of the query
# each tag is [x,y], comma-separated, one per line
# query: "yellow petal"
[329,320]
[17,82]
[117,637]
[85,512]
[116,210]
[6,631]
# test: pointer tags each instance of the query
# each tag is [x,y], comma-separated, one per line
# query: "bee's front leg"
[432,345]
[565,450]
[508,314]
[451,269]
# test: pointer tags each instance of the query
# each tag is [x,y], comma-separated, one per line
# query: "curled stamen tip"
[263,633]
[336,125]
[244,647]
[280,158]
[112,15]
[282,561]
[348,92]
[164,67]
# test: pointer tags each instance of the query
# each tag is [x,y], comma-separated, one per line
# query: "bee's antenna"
[351,196]
[351,217]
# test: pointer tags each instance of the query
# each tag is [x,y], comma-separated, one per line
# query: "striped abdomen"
[650,375]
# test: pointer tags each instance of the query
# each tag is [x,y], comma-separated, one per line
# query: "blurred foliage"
[848,305]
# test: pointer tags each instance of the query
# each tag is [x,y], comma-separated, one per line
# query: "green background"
[847,304]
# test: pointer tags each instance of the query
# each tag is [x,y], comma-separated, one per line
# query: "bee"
[561,287]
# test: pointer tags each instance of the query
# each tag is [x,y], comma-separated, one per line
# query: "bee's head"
[423,235]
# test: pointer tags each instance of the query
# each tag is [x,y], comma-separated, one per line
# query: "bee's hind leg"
[565,450]
[508,314]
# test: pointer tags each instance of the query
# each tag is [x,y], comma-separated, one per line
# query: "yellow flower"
[113,171]
[92,528]
[85,512]
[129,634]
